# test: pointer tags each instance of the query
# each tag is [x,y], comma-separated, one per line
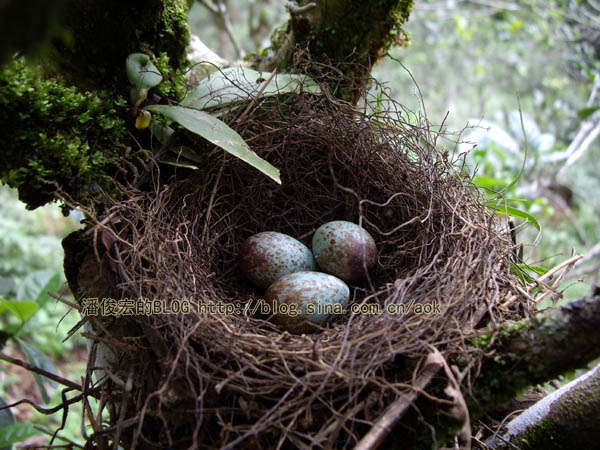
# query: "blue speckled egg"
[299,299]
[344,249]
[265,257]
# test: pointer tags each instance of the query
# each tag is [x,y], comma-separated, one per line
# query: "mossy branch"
[567,418]
[536,350]
[56,135]
[350,34]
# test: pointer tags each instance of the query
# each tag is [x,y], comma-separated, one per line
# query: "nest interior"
[234,380]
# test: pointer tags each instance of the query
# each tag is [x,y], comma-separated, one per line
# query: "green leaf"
[523,271]
[141,73]
[488,182]
[536,269]
[36,285]
[15,433]
[172,160]
[522,171]
[584,113]
[160,131]
[510,211]
[20,308]
[217,132]
[42,361]
[522,274]
[185,152]
[239,84]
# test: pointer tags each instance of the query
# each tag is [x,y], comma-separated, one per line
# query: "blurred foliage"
[254,22]
[30,240]
[32,323]
[472,59]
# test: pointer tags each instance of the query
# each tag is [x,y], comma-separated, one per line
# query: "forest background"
[469,64]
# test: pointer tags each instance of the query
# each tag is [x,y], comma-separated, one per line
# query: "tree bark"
[537,350]
[349,36]
[567,418]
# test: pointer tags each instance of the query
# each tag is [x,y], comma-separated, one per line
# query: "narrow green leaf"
[522,274]
[178,162]
[503,209]
[160,131]
[15,433]
[237,84]
[522,171]
[185,152]
[141,73]
[536,269]
[217,132]
[523,271]
[21,308]
[42,361]
[584,113]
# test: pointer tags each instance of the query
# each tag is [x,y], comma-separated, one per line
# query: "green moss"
[102,34]
[52,132]
[357,35]
[174,83]
[545,435]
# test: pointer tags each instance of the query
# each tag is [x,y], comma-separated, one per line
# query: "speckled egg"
[301,299]
[344,249]
[265,257]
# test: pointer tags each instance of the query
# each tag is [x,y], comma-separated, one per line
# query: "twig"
[45,373]
[394,413]
[108,341]
[294,9]
[257,96]
[561,266]
[540,281]
[239,51]
[568,264]
[220,11]
[588,132]
[65,301]
[46,411]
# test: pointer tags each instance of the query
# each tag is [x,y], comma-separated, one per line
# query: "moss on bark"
[536,350]
[350,34]
[102,34]
[74,137]
[56,133]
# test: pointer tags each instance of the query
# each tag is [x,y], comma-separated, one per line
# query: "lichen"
[52,132]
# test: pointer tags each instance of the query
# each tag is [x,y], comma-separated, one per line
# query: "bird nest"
[203,369]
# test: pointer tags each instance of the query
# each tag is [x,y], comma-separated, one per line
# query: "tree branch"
[567,418]
[536,350]
[351,34]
